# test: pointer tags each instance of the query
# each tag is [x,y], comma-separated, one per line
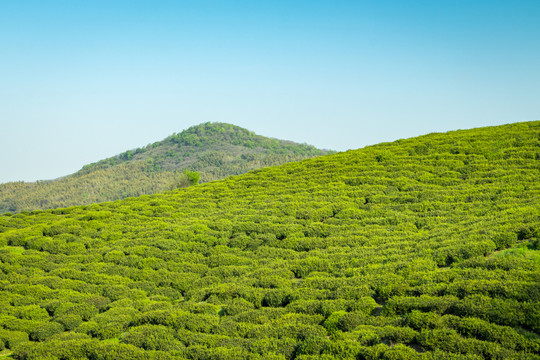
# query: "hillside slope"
[215,150]
[425,248]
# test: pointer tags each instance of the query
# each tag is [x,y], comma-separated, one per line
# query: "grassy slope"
[422,248]
[215,150]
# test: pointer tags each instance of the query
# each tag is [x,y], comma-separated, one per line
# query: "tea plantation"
[425,248]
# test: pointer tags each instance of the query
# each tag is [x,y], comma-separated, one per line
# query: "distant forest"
[214,150]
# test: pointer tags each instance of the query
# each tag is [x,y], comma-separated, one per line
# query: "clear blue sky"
[84,80]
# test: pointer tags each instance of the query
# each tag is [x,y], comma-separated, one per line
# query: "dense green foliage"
[426,248]
[188,178]
[214,150]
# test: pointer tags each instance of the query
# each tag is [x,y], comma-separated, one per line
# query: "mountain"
[214,150]
[424,248]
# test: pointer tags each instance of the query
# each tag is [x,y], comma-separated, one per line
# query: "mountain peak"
[214,150]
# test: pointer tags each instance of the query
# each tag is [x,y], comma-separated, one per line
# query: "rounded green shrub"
[151,337]
[45,331]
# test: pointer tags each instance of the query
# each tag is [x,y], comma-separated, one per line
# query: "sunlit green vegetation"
[425,248]
[214,150]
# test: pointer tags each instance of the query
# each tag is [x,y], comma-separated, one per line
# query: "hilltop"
[423,248]
[214,150]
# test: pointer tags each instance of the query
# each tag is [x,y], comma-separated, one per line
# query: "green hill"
[214,150]
[425,248]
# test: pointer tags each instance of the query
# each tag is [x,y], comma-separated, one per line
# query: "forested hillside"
[214,150]
[425,248]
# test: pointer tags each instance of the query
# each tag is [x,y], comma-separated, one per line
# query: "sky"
[81,81]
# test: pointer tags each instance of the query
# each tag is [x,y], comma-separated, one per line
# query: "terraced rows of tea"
[425,248]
